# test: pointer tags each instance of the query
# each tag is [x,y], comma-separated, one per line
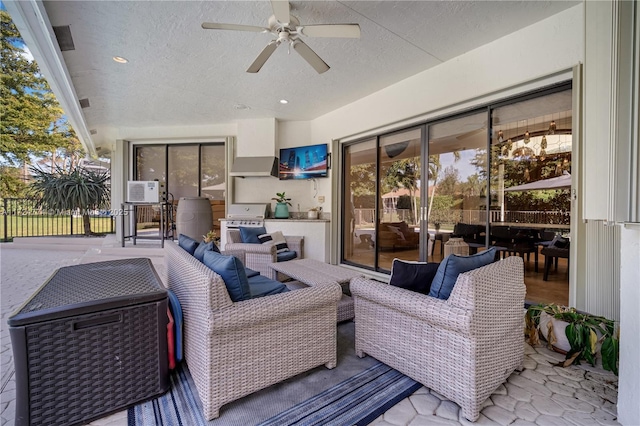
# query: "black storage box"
[91,341]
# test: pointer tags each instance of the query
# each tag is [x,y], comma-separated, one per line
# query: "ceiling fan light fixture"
[287,29]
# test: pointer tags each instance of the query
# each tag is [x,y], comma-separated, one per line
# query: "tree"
[31,120]
[74,189]
[405,173]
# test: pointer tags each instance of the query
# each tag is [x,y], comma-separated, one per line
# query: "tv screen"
[304,162]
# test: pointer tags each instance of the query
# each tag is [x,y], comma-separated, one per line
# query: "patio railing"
[365,217]
[23,217]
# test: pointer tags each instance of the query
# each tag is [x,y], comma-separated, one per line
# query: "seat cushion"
[202,247]
[250,234]
[414,276]
[188,244]
[275,238]
[250,272]
[286,255]
[261,286]
[452,266]
[232,272]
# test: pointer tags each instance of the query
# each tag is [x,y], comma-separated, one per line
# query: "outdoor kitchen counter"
[316,233]
[297,220]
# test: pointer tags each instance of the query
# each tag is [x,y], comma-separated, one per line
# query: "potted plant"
[585,334]
[313,212]
[211,236]
[282,206]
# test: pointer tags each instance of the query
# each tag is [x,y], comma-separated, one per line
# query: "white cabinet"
[316,235]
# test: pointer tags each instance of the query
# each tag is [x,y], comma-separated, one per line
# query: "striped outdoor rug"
[355,401]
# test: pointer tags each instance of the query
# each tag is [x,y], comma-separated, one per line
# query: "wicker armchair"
[259,256]
[463,347]
[234,349]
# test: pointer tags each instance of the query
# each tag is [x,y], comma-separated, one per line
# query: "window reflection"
[399,203]
[457,178]
[360,202]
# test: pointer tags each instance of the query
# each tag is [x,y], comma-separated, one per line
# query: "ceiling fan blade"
[263,56]
[310,56]
[281,11]
[234,27]
[330,30]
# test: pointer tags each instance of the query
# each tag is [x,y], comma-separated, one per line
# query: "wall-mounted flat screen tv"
[304,162]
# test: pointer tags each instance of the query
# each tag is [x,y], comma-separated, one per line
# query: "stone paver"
[499,415]
[542,394]
[448,410]
[425,404]
[505,401]
[526,411]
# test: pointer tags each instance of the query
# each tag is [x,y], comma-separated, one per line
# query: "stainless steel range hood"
[254,167]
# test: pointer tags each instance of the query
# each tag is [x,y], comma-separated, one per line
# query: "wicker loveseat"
[234,349]
[259,256]
[463,347]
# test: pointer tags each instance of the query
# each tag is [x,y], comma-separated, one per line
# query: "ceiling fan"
[287,29]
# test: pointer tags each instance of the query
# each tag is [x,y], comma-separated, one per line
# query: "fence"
[365,217]
[24,217]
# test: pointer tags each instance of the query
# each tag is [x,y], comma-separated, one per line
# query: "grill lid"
[248,211]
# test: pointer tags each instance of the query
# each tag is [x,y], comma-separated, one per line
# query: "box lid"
[91,287]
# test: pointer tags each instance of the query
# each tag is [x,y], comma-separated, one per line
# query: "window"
[187,170]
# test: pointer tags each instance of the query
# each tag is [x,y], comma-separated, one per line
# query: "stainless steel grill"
[247,214]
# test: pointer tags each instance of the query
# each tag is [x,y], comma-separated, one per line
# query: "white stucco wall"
[302,192]
[521,61]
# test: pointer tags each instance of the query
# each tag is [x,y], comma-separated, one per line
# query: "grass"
[40,225]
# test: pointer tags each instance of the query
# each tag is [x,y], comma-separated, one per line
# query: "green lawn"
[37,225]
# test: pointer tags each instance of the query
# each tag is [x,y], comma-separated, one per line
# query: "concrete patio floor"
[542,394]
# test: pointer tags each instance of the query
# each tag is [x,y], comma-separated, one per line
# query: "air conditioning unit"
[143,191]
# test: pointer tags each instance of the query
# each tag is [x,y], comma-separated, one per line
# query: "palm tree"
[74,189]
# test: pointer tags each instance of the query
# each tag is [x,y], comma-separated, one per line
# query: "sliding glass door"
[399,178]
[496,176]
[457,162]
[359,200]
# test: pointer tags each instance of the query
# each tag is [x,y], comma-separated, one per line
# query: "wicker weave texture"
[314,273]
[463,347]
[234,349]
[259,256]
[121,279]
[76,374]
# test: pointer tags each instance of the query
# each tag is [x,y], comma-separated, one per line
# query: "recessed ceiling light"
[284,101]
[241,106]
[120,59]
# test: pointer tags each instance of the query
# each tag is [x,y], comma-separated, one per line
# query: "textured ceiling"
[180,74]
